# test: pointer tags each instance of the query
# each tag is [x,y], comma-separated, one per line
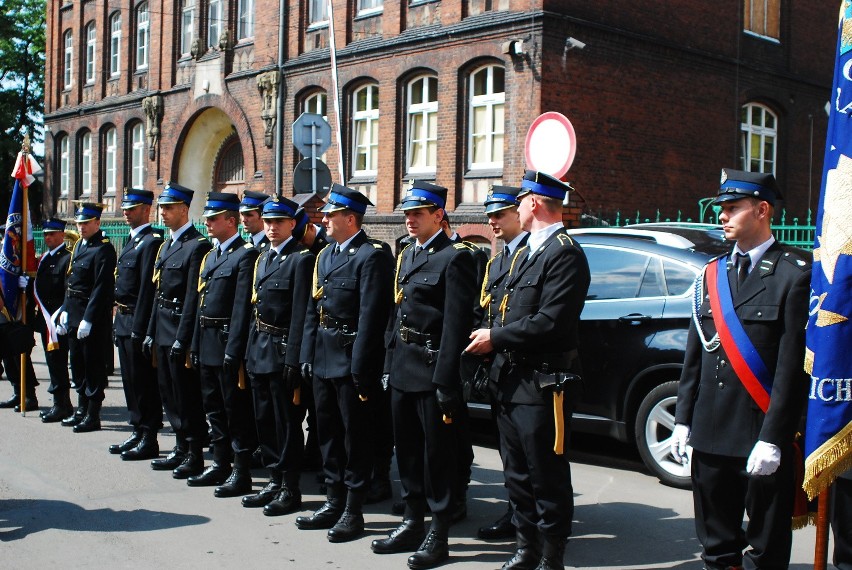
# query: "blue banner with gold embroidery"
[828,358]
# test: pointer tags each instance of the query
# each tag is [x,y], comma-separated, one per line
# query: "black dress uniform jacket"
[772,304]
[50,281]
[225,284]
[282,288]
[91,278]
[492,286]
[546,294]
[176,272]
[134,288]
[354,289]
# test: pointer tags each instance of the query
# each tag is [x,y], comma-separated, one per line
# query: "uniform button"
[722,363]
[710,311]
[721,385]
[325,296]
[325,281]
[759,314]
[405,297]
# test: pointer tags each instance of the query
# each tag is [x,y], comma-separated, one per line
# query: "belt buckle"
[403,334]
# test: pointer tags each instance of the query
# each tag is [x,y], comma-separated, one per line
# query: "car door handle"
[634,318]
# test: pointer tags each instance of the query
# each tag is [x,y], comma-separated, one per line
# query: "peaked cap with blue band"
[218,202]
[343,198]
[501,198]
[136,197]
[736,184]
[544,185]
[278,208]
[87,211]
[174,193]
[301,223]
[253,201]
[424,195]
[53,225]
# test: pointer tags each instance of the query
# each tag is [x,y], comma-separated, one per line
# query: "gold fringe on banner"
[827,462]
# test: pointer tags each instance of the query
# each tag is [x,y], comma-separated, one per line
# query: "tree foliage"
[22,63]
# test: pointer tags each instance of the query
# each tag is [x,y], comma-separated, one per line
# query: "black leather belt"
[124,309]
[166,304]
[346,325]
[73,293]
[409,335]
[269,329]
[213,323]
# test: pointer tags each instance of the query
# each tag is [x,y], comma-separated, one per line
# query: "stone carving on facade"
[153,107]
[225,42]
[195,49]
[268,84]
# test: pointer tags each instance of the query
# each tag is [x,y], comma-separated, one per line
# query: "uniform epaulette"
[461,246]
[105,240]
[304,251]
[202,238]
[564,240]
[157,234]
[248,246]
[796,260]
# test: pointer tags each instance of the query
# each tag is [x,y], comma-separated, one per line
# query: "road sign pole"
[314,156]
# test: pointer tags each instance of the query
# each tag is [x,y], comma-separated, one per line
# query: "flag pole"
[821,542]
[25,151]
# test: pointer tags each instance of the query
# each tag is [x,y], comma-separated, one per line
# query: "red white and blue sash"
[744,358]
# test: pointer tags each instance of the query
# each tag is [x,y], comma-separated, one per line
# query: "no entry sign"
[551,144]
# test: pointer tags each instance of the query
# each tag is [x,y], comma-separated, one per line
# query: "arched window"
[68,60]
[86,164]
[422,125]
[759,138]
[230,170]
[187,26]
[64,167]
[486,120]
[110,157]
[91,43]
[143,27]
[137,156]
[365,130]
[115,45]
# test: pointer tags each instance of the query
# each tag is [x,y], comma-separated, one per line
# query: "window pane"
[652,282]
[679,278]
[616,274]
[417,92]
[361,100]
[480,82]
[433,89]
[499,80]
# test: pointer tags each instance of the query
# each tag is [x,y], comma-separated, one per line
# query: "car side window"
[616,273]
[653,284]
[679,278]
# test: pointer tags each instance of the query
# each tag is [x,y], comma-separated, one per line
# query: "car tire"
[654,425]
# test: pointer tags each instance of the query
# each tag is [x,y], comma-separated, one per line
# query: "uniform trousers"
[180,391]
[57,364]
[382,435]
[230,412]
[425,453]
[343,430]
[722,492]
[89,360]
[537,479]
[841,522]
[141,391]
[279,426]
[12,366]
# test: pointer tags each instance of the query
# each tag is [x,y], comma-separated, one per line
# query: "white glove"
[680,436]
[764,459]
[23,280]
[63,319]
[84,329]
[61,330]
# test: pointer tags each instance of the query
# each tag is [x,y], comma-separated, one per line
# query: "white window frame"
[317,13]
[761,134]
[115,45]
[490,101]
[110,160]
[68,62]
[143,37]
[370,7]
[187,26]
[214,22]
[137,156]
[245,19]
[64,167]
[86,165]
[362,122]
[427,111]
[91,44]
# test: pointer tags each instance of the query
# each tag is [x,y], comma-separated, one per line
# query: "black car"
[633,334]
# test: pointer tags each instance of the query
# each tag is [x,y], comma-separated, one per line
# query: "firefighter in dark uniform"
[170,332]
[87,314]
[134,300]
[535,364]
[50,293]
[219,346]
[742,440]
[282,283]
[344,342]
[435,291]
[501,207]
[250,210]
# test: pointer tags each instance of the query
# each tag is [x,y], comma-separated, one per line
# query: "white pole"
[336,97]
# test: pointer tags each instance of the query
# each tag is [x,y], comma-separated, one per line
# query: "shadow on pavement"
[22,517]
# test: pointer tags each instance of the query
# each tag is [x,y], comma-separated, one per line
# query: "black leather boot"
[193,463]
[61,409]
[173,459]
[265,495]
[552,554]
[327,515]
[502,528]
[92,420]
[80,413]
[11,402]
[407,537]
[435,549]
[31,403]
[147,448]
[288,500]
[129,443]
[238,483]
[350,525]
[216,474]
[527,554]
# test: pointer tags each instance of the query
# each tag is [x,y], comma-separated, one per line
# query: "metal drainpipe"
[279,113]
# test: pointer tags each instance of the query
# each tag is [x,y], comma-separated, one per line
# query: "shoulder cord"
[397,294]
[698,297]
[505,302]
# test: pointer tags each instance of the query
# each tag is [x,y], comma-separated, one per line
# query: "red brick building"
[661,96]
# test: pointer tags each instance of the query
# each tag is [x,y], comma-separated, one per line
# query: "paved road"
[65,502]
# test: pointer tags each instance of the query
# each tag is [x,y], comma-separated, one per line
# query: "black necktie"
[334,252]
[743,261]
[271,257]
[417,250]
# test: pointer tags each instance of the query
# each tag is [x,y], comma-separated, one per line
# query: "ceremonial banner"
[12,261]
[828,358]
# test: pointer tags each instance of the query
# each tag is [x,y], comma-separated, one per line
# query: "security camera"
[572,43]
